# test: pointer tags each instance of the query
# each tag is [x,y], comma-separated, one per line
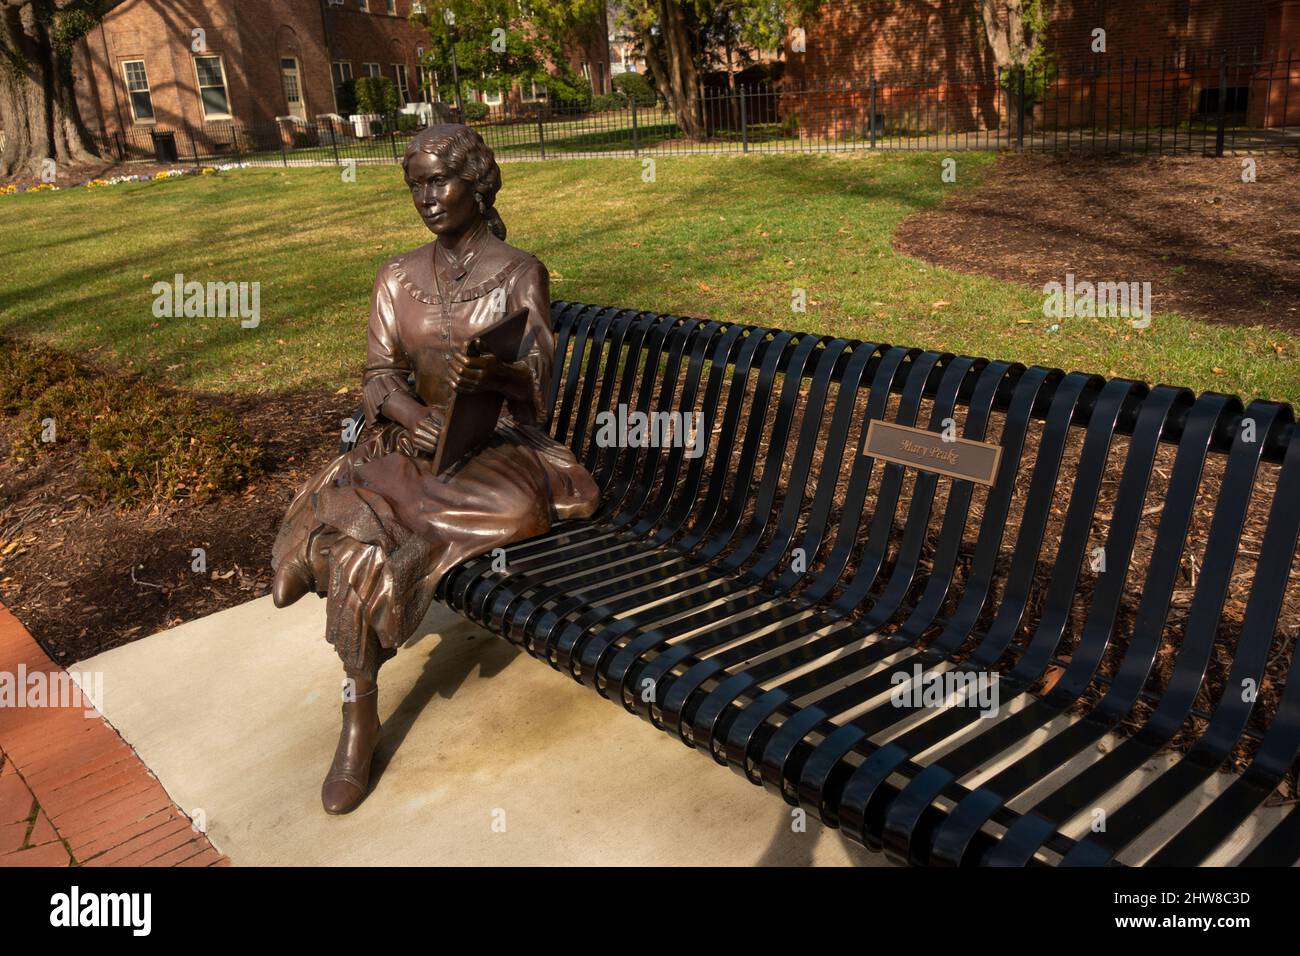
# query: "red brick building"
[937,58]
[181,63]
[191,63]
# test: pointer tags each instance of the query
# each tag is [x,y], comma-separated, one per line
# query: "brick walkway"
[73,793]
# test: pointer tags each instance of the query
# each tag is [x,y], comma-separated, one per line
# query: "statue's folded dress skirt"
[376,530]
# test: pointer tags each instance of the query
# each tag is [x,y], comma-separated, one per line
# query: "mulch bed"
[1213,247]
[79,174]
[85,577]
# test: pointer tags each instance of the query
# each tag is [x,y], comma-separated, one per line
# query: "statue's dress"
[376,530]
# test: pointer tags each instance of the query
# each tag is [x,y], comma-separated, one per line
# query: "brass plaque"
[975,461]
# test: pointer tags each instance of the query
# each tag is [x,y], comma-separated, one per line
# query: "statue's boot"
[349,775]
[292,580]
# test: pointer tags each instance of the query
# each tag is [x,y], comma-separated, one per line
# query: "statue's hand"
[487,373]
[475,373]
[425,433]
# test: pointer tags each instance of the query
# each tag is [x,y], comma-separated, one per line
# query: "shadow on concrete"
[445,671]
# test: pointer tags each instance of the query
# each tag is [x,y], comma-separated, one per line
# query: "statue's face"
[444,200]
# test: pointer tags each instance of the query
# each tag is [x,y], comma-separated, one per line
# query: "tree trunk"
[38,107]
[1005,30]
[676,78]
[734,108]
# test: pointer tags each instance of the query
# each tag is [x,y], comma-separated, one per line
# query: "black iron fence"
[1195,104]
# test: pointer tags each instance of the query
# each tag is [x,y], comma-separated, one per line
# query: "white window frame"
[126,78]
[372,69]
[336,82]
[225,85]
[391,8]
[403,83]
[493,99]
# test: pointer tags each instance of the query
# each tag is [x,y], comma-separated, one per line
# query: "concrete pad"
[488,756]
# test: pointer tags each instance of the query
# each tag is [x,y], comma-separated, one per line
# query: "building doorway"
[292,87]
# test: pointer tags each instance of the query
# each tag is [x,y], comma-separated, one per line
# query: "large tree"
[499,43]
[38,106]
[681,38]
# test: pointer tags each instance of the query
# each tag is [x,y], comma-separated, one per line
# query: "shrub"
[608,101]
[474,111]
[407,123]
[27,371]
[376,94]
[145,445]
[635,86]
[137,443]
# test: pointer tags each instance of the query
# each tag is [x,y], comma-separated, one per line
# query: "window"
[392,8]
[137,86]
[372,69]
[211,75]
[365,7]
[341,70]
[403,88]
[532,92]
[492,99]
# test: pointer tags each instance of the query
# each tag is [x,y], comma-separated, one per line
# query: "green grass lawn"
[728,237]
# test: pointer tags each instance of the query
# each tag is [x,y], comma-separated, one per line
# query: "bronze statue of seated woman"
[376,530]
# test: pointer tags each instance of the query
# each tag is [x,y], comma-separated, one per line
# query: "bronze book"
[471,419]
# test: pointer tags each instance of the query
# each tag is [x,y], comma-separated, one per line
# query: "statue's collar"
[458,265]
[414,272]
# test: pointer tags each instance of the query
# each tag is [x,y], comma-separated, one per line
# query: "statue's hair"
[468,157]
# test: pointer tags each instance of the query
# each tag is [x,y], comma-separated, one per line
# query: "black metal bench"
[758,601]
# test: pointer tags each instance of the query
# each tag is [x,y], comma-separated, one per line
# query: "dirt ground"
[85,577]
[1212,246]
